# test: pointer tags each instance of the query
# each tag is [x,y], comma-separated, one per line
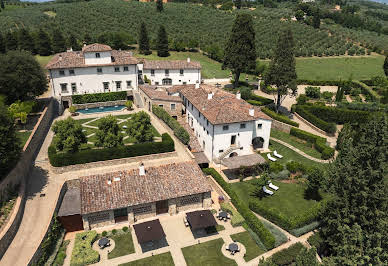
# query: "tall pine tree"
[43,43]
[159,5]
[11,41]
[26,42]
[355,220]
[59,43]
[240,51]
[162,42]
[73,43]
[281,72]
[385,67]
[144,42]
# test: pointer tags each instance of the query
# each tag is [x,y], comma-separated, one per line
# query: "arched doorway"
[258,143]
[167,81]
[233,154]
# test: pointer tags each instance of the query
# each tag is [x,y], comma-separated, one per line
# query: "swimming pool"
[101,109]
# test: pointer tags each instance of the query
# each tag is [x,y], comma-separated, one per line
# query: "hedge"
[237,219]
[319,82]
[258,98]
[256,103]
[99,97]
[319,142]
[83,254]
[287,256]
[179,131]
[325,126]
[367,90]
[251,220]
[305,229]
[283,221]
[93,155]
[279,117]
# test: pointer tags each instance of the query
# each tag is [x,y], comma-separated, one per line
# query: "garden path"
[69,249]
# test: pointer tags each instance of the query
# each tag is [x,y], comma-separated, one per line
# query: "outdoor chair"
[228,216]
[185,222]
[272,185]
[270,157]
[277,154]
[269,192]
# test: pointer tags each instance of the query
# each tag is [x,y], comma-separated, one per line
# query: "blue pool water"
[101,109]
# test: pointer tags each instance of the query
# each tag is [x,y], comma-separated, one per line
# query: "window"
[99,70]
[166,72]
[161,105]
[152,72]
[106,86]
[98,55]
[173,106]
[259,126]
[199,114]
[73,87]
[225,127]
[62,72]
[117,69]
[118,85]
[167,81]
[242,125]
[207,131]
[184,82]
[71,71]
[125,68]
[64,87]
[220,151]
[181,72]
[129,84]
[156,82]
[207,122]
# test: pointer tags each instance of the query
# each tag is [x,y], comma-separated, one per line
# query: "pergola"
[149,231]
[201,219]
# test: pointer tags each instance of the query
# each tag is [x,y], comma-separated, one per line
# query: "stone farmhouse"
[98,69]
[129,196]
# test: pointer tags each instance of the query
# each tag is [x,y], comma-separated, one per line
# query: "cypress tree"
[240,51]
[159,5]
[316,19]
[162,43]
[73,43]
[11,41]
[281,70]
[355,220]
[59,44]
[144,42]
[2,44]
[385,67]
[26,42]
[43,43]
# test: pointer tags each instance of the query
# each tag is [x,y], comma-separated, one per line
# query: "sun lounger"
[272,186]
[266,190]
[271,158]
[277,154]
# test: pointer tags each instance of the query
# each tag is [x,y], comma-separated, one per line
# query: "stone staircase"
[138,100]
[226,152]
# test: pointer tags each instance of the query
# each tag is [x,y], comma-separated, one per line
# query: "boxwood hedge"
[83,254]
[99,97]
[251,220]
[319,142]
[93,155]
[325,126]
[279,117]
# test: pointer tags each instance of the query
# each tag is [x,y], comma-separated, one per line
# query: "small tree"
[240,51]
[162,43]
[20,110]
[299,15]
[140,128]
[108,133]
[385,66]
[314,178]
[68,135]
[144,42]
[159,5]
[281,70]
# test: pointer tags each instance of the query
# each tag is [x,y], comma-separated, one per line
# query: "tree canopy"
[385,67]
[162,42]
[159,5]
[140,128]
[21,76]
[68,135]
[43,43]
[240,50]
[108,133]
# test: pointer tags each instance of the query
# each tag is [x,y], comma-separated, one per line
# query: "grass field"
[252,249]
[123,245]
[163,259]
[43,60]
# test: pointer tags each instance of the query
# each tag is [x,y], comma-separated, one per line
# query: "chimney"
[60,57]
[188,59]
[197,85]
[238,95]
[252,112]
[141,169]
[210,96]
[109,182]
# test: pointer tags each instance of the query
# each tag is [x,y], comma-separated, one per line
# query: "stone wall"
[98,219]
[218,188]
[99,104]
[312,126]
[281,126]
[189,202]
[146,214]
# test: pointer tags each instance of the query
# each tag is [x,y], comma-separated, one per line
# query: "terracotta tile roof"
[223,108]
[159,183]
[171,64]
[76,59]
[96,47]
[158,94]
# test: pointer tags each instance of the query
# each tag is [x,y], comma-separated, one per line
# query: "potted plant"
[72,110]
[128,104]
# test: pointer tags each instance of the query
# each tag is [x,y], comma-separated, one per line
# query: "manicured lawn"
[252,249]
[296,142]
[43,60]
[163,259]
[288,200]
[123,245]
[23,136]
[206,254]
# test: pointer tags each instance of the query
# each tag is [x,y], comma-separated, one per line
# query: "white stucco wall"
[264,132]
[88,80]
[91,59]
[190,76]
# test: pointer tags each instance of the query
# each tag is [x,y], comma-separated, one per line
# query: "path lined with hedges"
[299,151]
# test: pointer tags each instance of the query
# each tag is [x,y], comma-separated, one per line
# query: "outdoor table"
[233,247]
[223,215]
[103,242]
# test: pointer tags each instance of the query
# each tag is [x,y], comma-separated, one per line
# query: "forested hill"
[190,25]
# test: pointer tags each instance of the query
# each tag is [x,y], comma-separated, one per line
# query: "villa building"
[132,195]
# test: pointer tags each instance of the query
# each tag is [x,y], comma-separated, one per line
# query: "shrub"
[275,167]
[368,91]
[282,175]
[313,92]
[237,219]
[279,117]
[129,105]
[355,92]
[125,228]
[83,254]
[95,155]
[302,99]
[318,242]
[104,233]
[287,256]
[251,220]
[264,100]
[99,97]
[319,142]
[294,167]
[327,95]
[304,229]
[114,231]
[325,126]
[72,109]
[179,131]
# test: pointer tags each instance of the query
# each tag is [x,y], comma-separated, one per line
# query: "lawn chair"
[228,216]
[277,154]
[269,192]
[272,185]
[185,221]
[271,158]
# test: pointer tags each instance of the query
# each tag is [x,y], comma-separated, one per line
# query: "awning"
[149,231]
[244,160]
[201,219]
